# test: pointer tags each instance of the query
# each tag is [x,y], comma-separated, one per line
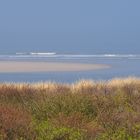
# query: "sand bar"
[16,66]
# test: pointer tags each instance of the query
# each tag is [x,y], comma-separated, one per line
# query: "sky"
[70,26]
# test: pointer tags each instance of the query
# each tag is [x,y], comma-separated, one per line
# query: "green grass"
[85,110]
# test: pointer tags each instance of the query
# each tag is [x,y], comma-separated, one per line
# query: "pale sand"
[15,66]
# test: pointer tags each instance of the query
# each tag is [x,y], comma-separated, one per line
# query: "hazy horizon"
[81,27]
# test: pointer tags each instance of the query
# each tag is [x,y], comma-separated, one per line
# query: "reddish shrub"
[15,123]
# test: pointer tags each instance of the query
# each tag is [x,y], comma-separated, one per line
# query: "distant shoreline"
[25,66]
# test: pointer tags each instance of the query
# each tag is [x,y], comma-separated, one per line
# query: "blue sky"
[70,26]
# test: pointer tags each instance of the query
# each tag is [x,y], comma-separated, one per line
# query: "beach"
[25,66]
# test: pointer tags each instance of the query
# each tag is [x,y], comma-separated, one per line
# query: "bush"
[15,123]
[46,131]
[83,111]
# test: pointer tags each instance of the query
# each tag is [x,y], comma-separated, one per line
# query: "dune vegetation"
[85,110]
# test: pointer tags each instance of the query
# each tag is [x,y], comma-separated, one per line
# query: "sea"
[121,66]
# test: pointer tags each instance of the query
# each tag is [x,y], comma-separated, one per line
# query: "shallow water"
[121,66]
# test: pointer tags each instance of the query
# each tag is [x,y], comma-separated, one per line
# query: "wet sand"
[16,66]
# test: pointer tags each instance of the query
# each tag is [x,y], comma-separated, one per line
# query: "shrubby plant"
[86,110]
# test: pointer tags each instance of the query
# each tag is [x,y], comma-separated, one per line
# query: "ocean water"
[122,65]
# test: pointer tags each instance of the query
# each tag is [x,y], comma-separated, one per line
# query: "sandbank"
[16,66]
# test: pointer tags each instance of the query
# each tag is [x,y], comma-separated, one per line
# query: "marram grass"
[85,110]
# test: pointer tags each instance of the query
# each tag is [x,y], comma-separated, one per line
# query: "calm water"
[121,66]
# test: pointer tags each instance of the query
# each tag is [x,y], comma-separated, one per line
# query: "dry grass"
[107,110]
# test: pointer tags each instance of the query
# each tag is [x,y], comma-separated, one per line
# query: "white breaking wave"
[121,55]
[102,55]
[67,56]
[41,53]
